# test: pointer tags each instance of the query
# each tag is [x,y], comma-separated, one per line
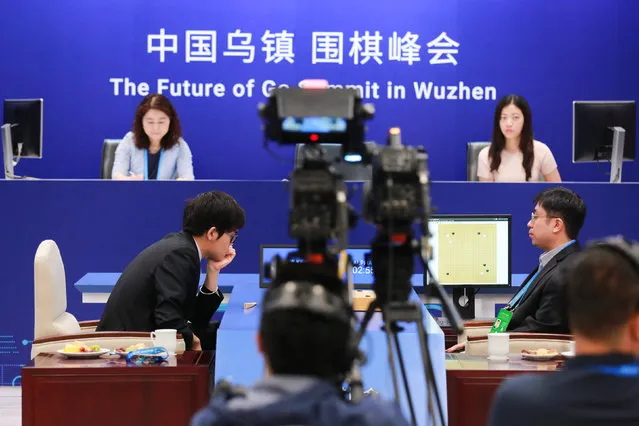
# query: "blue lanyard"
[514,302]
[146,164]
[520,294]
[625,370]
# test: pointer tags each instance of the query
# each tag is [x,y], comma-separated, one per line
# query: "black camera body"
[325,115]
[395,200]
[319,210]
[399,185]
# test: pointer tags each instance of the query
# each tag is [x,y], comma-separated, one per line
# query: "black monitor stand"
[464,301]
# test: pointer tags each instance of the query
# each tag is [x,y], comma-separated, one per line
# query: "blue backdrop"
[550,51]
[100,226]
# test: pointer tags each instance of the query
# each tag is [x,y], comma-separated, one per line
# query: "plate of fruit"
[81,350]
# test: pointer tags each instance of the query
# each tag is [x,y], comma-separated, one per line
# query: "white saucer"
[500,358]
[535,357]
[84,355]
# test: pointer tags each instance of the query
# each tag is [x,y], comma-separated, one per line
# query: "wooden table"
[108,391]
[473,380]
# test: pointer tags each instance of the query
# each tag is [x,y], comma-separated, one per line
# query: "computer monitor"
[604,131]
[471,250]
[362,272]
[7,151]
[468,251]
[25,118]
[356,171]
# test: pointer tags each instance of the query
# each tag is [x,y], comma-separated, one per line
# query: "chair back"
[50,294]
[108,157]
[475,328]
[472,155]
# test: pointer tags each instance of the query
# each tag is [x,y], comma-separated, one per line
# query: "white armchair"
[50,294]
[54,327]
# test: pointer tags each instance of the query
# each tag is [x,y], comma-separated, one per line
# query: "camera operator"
[306,338]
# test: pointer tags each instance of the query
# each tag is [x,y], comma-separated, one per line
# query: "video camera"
[317,114]
[319,211]
[395,200]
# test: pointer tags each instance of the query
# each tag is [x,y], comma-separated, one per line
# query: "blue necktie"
[520,294]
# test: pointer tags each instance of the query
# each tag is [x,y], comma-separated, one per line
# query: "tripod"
[397,308]
[409,312]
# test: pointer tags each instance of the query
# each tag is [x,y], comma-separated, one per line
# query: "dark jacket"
[543,308]
[293,400]
[579,395]
[159,289]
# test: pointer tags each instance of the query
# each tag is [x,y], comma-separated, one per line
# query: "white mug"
[165,338]
[498,346]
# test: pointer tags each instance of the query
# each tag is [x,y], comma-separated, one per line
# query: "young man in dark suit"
[539,304]
[600,385]
[159,288]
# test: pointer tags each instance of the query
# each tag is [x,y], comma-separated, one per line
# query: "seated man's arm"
[210,297]
[206,304]
[171,292]
[548,317]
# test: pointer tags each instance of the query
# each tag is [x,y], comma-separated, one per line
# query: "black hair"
[564,204]
[301,343]
[526,143]
[212,209]
[305,331]
[602,290]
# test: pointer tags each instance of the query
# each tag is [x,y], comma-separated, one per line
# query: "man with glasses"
[539,305]
[159,288]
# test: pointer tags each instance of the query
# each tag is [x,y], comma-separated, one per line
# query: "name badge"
[501,322]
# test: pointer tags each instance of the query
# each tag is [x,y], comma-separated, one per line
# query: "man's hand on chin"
[213,268]
[216,266]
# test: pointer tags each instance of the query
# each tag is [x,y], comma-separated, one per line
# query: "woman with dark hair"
[154,149]
[513,154]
